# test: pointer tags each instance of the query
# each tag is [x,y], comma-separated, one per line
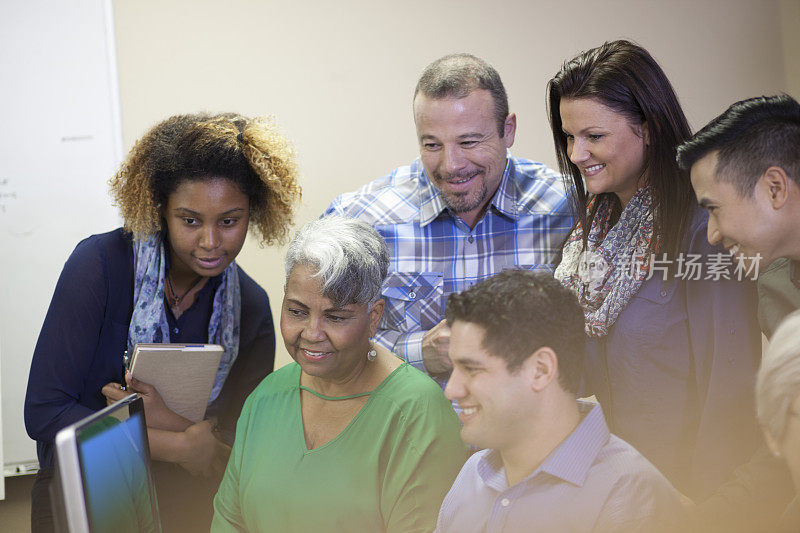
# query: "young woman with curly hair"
[188,192]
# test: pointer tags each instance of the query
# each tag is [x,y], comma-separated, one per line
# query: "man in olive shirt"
[745,170]
[778,293]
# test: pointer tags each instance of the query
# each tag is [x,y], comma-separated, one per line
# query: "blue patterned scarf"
[615,263]
[149,320]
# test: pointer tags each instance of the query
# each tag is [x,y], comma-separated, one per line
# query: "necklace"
[175,300]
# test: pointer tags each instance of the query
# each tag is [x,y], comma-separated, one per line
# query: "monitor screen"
[104,465]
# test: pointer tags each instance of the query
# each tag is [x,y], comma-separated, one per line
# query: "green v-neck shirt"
[388,470]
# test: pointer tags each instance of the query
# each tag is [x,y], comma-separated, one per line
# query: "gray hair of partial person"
[457,75]
[778,379]
[347,255]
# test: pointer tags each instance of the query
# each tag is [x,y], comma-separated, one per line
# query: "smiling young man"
[549,462]
[462,212]
[745,170]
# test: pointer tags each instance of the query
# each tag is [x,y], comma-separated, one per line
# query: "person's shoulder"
[540,188]
[253,294]
[391,199]
[256,315]
[409,384]
[413,393]
[114,239]
[777,279]
[638,496]
[281,381]
[102,247]
[626,464]
[274,395]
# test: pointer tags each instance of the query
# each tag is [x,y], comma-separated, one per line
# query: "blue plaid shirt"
[434,253]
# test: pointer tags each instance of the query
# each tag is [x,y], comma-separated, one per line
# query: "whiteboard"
[60,141]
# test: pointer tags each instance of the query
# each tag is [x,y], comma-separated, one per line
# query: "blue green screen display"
[114,466]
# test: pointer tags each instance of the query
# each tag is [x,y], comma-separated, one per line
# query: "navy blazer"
[675,374]
[85,333]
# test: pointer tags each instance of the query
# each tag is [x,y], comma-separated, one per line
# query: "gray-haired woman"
[348,437]
[778,405]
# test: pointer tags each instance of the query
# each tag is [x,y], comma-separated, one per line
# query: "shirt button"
[176,330]
[412,295]
[504,502]
[471,239]
[733,331]
[663,294]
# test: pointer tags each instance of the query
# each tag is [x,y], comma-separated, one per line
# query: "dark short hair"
[749,137]
[457,75]
[522,311]
[624,77]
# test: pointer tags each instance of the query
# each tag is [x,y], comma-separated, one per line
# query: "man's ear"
[541,368]
[509,129]
[775,183]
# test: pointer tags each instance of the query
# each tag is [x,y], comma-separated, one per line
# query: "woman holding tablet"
[188,192]
[672,348]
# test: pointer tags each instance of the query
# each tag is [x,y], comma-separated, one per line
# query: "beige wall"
[790,33]
[338,76]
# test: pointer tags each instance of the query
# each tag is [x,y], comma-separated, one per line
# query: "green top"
[388,470]
[334,398]
[778,294]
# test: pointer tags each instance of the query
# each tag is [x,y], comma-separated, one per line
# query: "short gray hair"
[349,257]
[457,75]
[778,380]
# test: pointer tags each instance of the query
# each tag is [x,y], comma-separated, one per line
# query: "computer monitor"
[104,472]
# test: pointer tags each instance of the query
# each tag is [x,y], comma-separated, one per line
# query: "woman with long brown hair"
[672,345]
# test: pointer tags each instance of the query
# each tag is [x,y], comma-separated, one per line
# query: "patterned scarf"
[149,320]
[615,263]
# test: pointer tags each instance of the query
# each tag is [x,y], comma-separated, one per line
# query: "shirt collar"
[432,205]
[794,273]
[570,461]
[573,457]
[492,471]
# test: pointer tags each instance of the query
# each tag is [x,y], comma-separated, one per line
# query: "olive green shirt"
[778,294]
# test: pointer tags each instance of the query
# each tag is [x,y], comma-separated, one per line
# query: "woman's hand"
[156,412]
[113,392]
[202,453]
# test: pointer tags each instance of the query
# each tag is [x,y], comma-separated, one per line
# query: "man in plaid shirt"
[463,212]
